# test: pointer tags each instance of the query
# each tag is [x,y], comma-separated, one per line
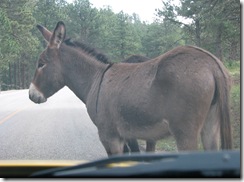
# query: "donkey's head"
[48,77]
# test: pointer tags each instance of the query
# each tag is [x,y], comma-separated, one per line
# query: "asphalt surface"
[59,129]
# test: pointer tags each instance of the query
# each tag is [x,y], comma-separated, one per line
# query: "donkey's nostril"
[35,95]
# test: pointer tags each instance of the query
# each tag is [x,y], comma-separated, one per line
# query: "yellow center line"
[13,114]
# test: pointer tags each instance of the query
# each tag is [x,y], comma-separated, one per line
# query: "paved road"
[59,129]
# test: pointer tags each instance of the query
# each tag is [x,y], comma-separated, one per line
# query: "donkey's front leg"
[131,145]
[113,144]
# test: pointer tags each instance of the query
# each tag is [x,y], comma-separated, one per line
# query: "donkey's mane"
[91,51]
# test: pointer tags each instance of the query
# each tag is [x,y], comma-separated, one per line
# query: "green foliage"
[82,20]
[214,25]
[211,24]
[161,37]
[233,67]
[235,102]
[167,144]
[125,39]
[17,42]
[49,12]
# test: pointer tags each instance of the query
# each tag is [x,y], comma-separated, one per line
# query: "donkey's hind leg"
[186,135]
[211,130]
[150,146]
[186,142]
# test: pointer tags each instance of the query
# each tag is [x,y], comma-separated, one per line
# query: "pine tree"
[17,42]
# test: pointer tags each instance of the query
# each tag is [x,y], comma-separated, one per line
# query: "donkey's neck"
[81,72]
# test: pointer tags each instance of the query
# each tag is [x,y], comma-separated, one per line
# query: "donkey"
[135,59]
[184,91]
[132,143]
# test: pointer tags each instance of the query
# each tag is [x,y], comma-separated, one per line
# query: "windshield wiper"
[188,164]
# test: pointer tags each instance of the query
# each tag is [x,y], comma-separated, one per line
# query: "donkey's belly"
[146,132]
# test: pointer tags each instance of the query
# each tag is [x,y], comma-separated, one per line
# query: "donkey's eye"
[40,65]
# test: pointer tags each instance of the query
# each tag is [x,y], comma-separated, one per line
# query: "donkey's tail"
[222,94]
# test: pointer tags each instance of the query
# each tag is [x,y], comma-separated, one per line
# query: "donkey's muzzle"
[35,95]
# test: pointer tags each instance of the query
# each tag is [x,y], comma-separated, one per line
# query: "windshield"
[85,80]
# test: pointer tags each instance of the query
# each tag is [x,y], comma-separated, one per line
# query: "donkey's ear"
[45,32]
[58,35]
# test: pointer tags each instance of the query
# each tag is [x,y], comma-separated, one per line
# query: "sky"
[144,8]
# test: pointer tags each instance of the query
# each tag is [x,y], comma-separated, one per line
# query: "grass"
[169,144]
[235,114]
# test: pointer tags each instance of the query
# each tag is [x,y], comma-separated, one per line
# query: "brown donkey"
[184,91]
[132,143]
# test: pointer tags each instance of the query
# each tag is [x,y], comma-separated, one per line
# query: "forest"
[211,24]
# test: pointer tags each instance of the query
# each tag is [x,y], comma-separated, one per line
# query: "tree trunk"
[9,74]
[18,75]
[15,76]
[22,73]
[27,77]
[198,32]
[218,43]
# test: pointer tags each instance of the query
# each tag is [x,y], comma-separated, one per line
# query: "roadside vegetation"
[210,24]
